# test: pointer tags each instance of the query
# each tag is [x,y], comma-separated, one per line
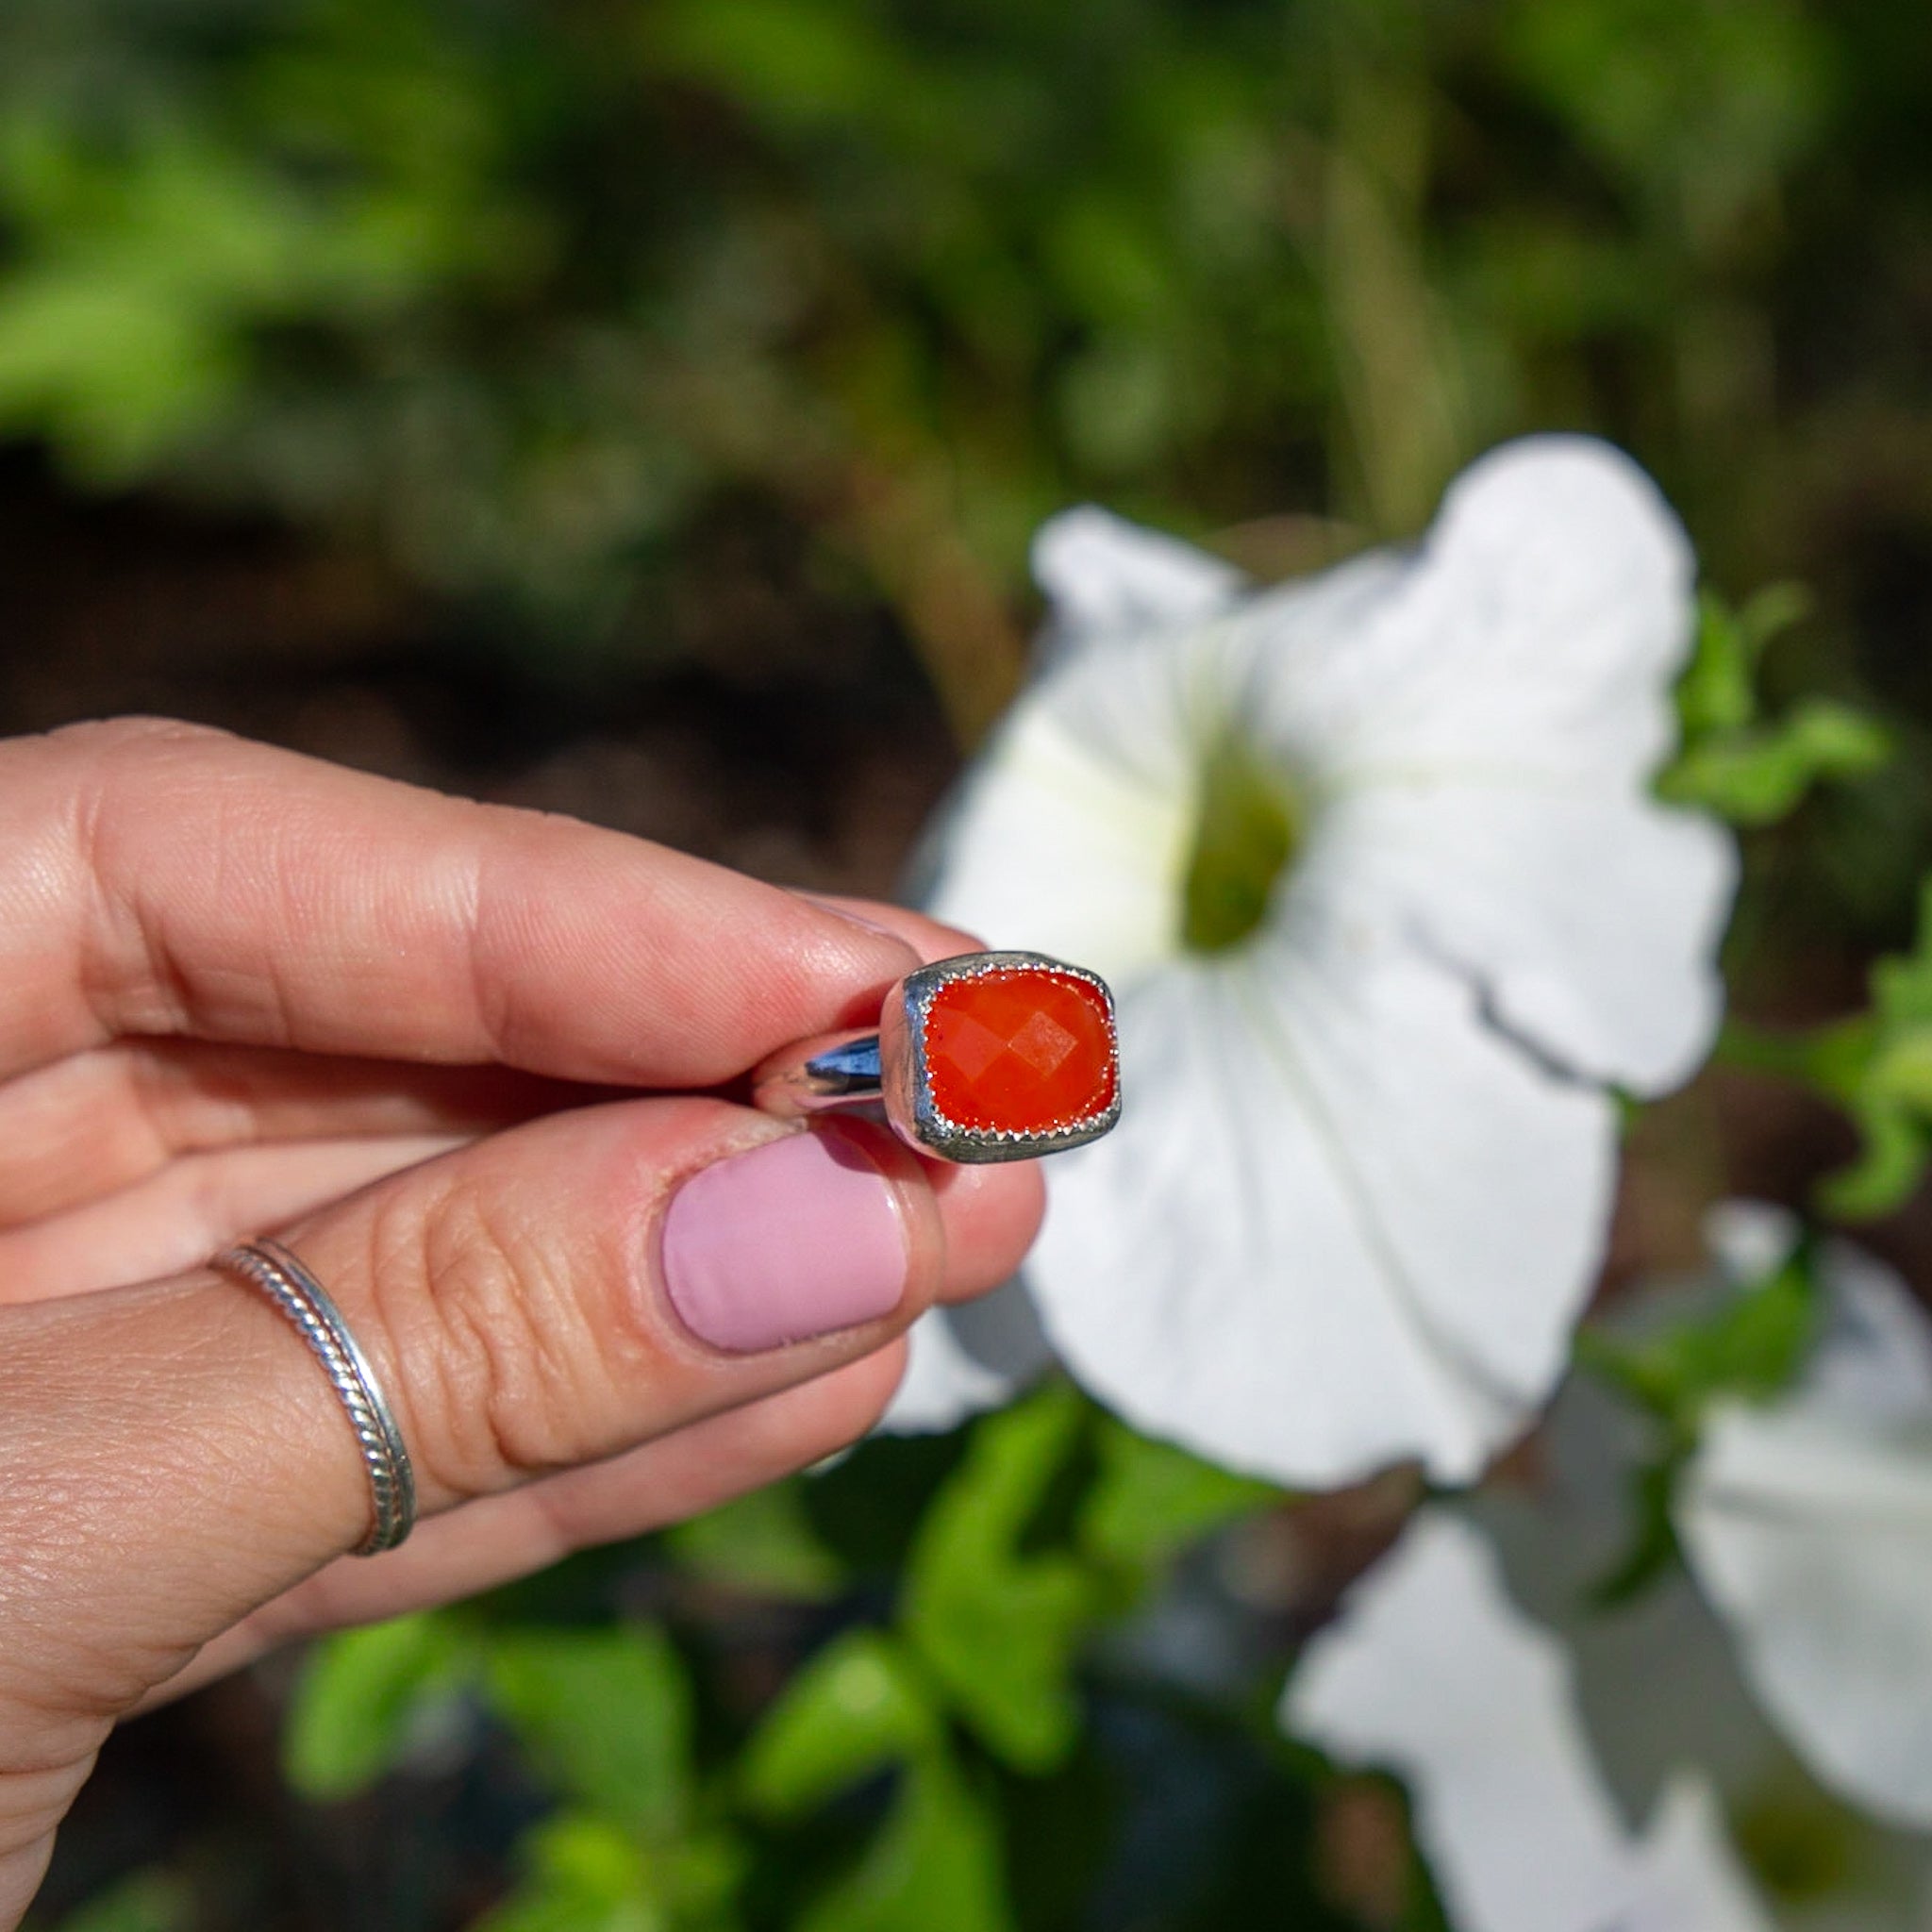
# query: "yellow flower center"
[1246,834]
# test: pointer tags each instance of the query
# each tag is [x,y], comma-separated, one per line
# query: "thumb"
[175,1454]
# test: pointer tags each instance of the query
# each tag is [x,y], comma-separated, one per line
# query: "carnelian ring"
[985,1057]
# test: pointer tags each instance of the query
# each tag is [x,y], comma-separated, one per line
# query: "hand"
[460,1057]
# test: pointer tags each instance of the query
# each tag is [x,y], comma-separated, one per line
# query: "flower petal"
[1342,1221]
[1872,1370]
[1816,1547]
[1362,1178]
[1478,742]
[1538,633]
[1807,1523]
[964,1361]
[1074,852]
[1689,1877]
[1074,831]
[1431,1672]
[1104,575]
[942,1385]
[1590,917]
[1749,1238]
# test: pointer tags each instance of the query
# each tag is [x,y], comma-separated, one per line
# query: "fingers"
[561,1293]
[990,1215]
[202,1202]
[193,1208]
[101,1121]
[97,1121]
[166,879]
[576,1286]
[927,937]
[503,1537]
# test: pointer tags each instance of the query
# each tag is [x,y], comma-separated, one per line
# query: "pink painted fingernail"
[797,1237]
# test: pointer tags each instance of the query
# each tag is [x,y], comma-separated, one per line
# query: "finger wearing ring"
[279,1276]
[985,1056]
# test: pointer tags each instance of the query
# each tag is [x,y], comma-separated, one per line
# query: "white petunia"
[1430,1672]
[1807,1523]
[969,1358]
[1372,865]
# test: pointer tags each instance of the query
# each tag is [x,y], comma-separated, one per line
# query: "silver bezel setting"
[910,1104]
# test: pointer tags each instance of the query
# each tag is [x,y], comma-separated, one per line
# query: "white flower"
[1431,1672]
[967,1358]
[1370,864]
[1807,1523]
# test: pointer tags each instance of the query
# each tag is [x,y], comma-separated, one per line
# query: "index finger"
[161,878]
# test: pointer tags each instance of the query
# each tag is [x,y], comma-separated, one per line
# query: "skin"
[460,1057]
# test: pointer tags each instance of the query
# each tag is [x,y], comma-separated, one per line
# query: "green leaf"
[1803,1845]
[799,63]
[1896,1145]
[1879,1069]
[1748,771]
[935,1866]
[1717,689]
[764,1543]
[861,1705]
[1754,777]
[362,1693]
[1150,1500]
[1902,988]
[998,1627]
[1653,1551]
[582,1874]
[605,1711]
[151,1901]
[1751,1347]
[1877,1066]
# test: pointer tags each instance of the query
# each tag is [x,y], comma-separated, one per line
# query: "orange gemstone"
[1024,1050]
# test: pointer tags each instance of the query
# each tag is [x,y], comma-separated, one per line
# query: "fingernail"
[796,1237]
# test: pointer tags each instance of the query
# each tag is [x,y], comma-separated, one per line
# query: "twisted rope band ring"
[985,1056]
[270,1267]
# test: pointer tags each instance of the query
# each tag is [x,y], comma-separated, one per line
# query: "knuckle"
[503,1367]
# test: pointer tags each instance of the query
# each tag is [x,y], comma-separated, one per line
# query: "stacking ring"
[985,1056]
[278,1275]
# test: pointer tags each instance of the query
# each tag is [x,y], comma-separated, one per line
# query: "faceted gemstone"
[1023,1049]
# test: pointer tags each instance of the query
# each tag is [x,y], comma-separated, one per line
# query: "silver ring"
[985,1057]
[280,1276]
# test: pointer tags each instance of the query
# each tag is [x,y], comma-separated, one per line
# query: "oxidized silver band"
[270,1267]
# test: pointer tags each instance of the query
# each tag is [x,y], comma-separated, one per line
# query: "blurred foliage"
[1751,1346]
[1877,1066]
[537,295]
[153,1901]
[881,1787]
[1732,762]
[365,1696]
